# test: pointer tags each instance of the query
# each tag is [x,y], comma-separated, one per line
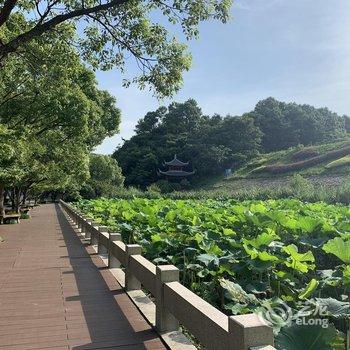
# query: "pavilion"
[175,169]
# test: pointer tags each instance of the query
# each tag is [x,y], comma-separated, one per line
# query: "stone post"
[94,233]
[131,282]
[113,262]
[165,321]
[247,331]
[101,249]
[88,227]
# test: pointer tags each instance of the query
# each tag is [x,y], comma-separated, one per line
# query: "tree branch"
[6,10]
[41,28]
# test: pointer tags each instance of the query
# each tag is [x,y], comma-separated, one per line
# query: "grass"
[289,187]
[25,216]
[255,168]
[344,161]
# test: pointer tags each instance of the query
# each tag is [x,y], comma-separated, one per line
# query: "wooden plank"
[55,293]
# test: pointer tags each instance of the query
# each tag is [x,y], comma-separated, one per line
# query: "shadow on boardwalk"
[108,318]
[56,294]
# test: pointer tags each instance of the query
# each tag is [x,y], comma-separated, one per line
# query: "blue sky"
[293,50]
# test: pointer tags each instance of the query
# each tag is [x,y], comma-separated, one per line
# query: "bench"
[8,217]
[25,210]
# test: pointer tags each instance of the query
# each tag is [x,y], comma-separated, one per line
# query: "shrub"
[305,153]
[280,169]
[342,193]
[339,162]
[259,169]
[185,184]
[164,186]
[301,187]
[154,188]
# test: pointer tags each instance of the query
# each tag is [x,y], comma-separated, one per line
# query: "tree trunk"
[2,207]
[24,197]
[17,199]
[13,198]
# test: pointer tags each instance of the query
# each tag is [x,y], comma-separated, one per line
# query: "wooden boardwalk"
[56,294]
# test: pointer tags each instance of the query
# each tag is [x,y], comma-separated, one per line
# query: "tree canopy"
[107,33]
[210,143]
[214,143]
[51,116]
[105,177]
[288,124]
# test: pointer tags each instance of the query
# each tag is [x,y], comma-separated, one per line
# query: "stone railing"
[174,303]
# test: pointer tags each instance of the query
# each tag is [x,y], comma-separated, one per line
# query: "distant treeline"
[213,143]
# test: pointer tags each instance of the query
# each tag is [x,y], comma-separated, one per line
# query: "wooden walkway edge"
[56,294]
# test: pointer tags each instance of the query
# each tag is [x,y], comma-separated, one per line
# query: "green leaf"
[299,261]
[333,307]
[309,289]
[346,274]
[235,292]
[257,287]
[228,232]
[127,215]
[306,337]
[313,242]
[264,238]
[339,248]
[308,224]
[265,256]
[207,259]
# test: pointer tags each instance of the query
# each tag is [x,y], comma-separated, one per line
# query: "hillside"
[212,144]
[327,164]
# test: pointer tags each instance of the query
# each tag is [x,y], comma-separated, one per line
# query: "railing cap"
[133,249]
[248,321]
[114,236]
[168,273]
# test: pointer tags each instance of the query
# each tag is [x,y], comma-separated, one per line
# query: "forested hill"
[214,143]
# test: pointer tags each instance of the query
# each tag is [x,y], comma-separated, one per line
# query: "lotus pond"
[284,259]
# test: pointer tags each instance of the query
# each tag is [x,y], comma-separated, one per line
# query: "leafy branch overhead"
[108,33]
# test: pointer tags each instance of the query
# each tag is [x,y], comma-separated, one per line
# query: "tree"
[215,143]
[111,31]
[284,125]
[105,177]
[51,115]
[209,143]
[50,89]
[7,162]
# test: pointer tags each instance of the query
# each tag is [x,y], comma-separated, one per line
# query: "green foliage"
[335,308]
[288,124]
[25,216]
[154,188]
[339,162]
[52,115]
[300,186]
[339,248]
[105,177]
[305,153]
[257,166]
[107,34]
[210,144]
[306,338]
[303,190]
[244,255]
[309,289]
[304,164]
[213,144]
